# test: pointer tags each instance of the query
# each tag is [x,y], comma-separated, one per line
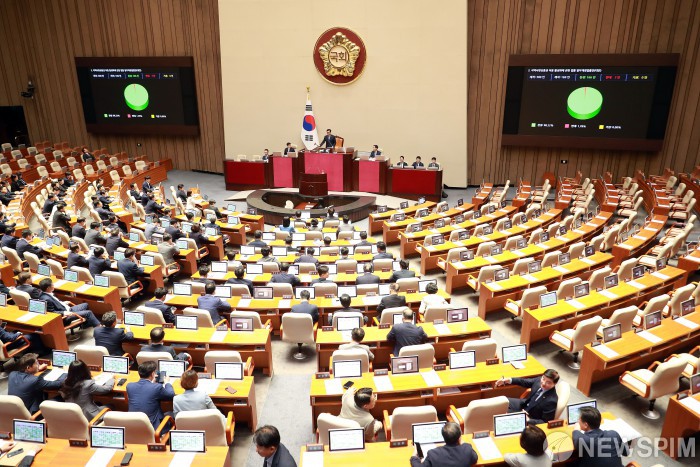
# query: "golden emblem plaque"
[339,55]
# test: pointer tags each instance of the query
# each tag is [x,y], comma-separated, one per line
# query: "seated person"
[266,156]
[541,403]
[596,447]
[153,227]
[266,256]
[78,230]
[146,394]
[305,307]
[367,277]
[158,304]
[433,163]
[24,245]
[157,335]
[307,258]
[24,284]
[401,163]
[240,278]
[168,250]
[99,261]
[344,253]
[288,149]
[79,388]
[534,441]
[402,273]
[323,274]
[94,235]
[213,304]
[363,239]
[381,252]
[453,454]
[291,249]
[75,258]
[115,241]
[345,226]
[191,399]
[432,298]
[66,309]
[406,333]
[199,238]
[217,212]
[357,335]
[356,405]
[131,271]
[25,384]
[110,336]
[392,300]
[375,151]
[418,163]
[284,277]
[286,225]
[258,242]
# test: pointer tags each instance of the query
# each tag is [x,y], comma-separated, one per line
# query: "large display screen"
[138,95]
[593,101]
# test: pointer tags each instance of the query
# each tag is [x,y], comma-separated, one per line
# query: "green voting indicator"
[584,103]
[136,97]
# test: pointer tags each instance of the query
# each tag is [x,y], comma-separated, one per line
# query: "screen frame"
[122,429]
[177,432]
[518,414]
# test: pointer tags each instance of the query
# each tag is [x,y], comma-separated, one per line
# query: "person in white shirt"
[356,405]
[357,335]
[431,299]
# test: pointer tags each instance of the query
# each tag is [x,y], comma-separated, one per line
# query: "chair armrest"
[629,373]
[694,349]
[137,291]
[387,425]
[452,410]
[97,417]
[525,394]
[653,366]
[163,438]
[17,350]
[37,415]
[268,324]
[315,330]
[376,321]
[221,323]
[230,427]
[173,266]
[249,366]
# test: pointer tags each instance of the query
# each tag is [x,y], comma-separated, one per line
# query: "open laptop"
[110,437]
[180,288]
[514,354]
[172,368]
[187,441]
[573,410]
[186,322]
[462,360]
[427,435]
[404,365]
[510,424]
[348,323]
[347,369]
[228,370]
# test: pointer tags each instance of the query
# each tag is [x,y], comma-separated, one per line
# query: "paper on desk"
[284,303]
[83,288]
[182,459]
[487,449]
[101,457]
[576,304]
[54,374]
[518,253]
[244,302]
[216,275]
[27,317]
[59,283]
[606,351]
[661,276]
[312,459]
[636,285]
[561,269]
[607,293]
[587,261]
[208,386]
[371,300]
[491,259]
[687,323]
[600,217]
[383,383]
[529,278]
[626,432]
[646,335]
[334,386]
[218,336]
[692,404]
[442,329]
[495,286]
[580,232]
[432,378]
[639,237]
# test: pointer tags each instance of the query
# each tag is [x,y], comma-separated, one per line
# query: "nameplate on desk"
[440,367]
[314,447]
[481,434]
[329,295]
[223,327]
[493,361]
[245,297]
[439,321]
[371,294]
[94,368]
[168,325]
[327,328]
[381,372]
[595,343]
[411,291]
[384,326]
[350,271]
[386,269]
[155,447]
[286,297]
[78,443]
[398,443]
[204,375]
[323,375]
[555,423]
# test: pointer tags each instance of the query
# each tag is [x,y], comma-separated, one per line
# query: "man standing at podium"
[328,140]
[289,149]
[375,151]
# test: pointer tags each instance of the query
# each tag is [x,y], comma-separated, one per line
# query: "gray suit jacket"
[367,278]
[306,307]
[84,397]
[192,400]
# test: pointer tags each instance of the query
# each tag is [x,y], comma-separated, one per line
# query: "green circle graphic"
[136,97]
[584,103]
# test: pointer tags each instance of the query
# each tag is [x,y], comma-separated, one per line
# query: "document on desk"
[607,293]
[207,386]
[579,231]
[372,300]
[284,303]
[312,459]
[59,283]
[576,304]
[27,317]
[692,404]
[588,261]
[54,374]
[334,386]
[218,336]
[626,432]
[432,378]
[383,383]
[561,269]
[83,288]
[243,302]
[491,259]
[518,253]
[487,449]
[687,323]
[529,278]
[646,335]
[101,457]
[495,286]
[442,329]
[661,276]
[606,351]
[182,459]
[636,285]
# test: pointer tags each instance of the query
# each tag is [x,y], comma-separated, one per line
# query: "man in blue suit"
[284,277]
[453,454]
[328,140]
[305,306]
[541,403]
[111,337]
[25,384]
[158,304]
[214,305]
[596,447]
[145,395]
[130,270]
[54,305]
[241,280]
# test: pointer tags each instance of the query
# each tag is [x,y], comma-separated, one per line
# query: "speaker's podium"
[313,185]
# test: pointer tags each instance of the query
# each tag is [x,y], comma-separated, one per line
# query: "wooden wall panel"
[40,38]
[502,27]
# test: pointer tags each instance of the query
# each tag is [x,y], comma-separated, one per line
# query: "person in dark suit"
[307,258]
[363,239]
[289,149]
[49,204]
[266,156]
[240,278]
[134,192]
[328,140]
[101,211]
[157,336]
[284,277]
[345,302]
[157,303]
[35,344]
[145,395]
[25,384]
[323,274]
[381,252]
[174,230]
[401,163]
[5,223]
[375,151]
[54,305]
[24,284]
[99,261]
[406,333]
[115,241]
[418,163]
[78,229]
[147,187]
[596,447]
[131,271]
[75,258]
[24,245]
[8,239]
[212,224]
[217,212]
[268,446]
[111,337]
[541,403]
[367,277]
[392,300]
[453,454]
[258,242]
[93,236]
[60,219]
[181,193]
[305,307]
[214,305]
[402,273]
[152,206]
[433,163]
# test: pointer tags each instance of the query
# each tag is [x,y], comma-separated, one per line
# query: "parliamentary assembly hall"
[368,233]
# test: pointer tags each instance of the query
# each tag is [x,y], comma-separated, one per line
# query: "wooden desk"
[494,295]
[413,184]
[391,230]
[99,299]
[655,201]
[7,274]
[48,326]
[247,175]
[680,422]
[692,186]
[690,263]
[459,271]
[185,258]
[262,279]
[639,243]
[376,219]
[256,344]
[634,352]
[539,324]
[328,341]
[412,389]
[59,452]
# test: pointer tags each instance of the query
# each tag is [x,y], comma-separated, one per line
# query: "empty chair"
[659,380]
[12,407]
[203,317]
[151,315]
[32,261]
[280,290]
[425,352]
[478,415]
[138,428]
[83,274]
[42,172]
[609,238]
[364,289]
[483,348]
[126,291]
[576,250]
[597,242]
[382,264]
[407,283]
[486,273]
[574,340]
[219,429]
[298,328]
[622,316]
[56,167]
[434,312]
[91,354]
[56,268]
[326,288]
[520,266]
[563,390]
[254,315]
[484,248]
[624,271]
[597,279]
[326,421]
[566,288]
[529,299]
[398,425]
[535,236]
[512,242]
[657,303]
[352,354]
[346,265]
[224,356]
[679,296]
[145,356]
[692,363]
[64,420]
[270,267]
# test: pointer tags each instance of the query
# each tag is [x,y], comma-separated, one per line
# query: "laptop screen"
[43,270]
[687,306]
[61,358]
[637,272]
[457,315]
[501,274]
[350,290]
[464,359]
[384,289]
[268,236]
[514,353]
[548,299]
[222,291]
[187,441]
[70,276]
[611,281]
[573,410]
[428,433]
[695,384]
[228,370]
[564,258]
[101,281]
[147,260]
[241,324]
[31,432]
[247,250]
[348,323]
[534,266]
[37,306]
[115,365]
[511,424]
[253,268]
[279,251]
[581,290]
[172,368]
[233,220]
[111,437]
[652,320]
[496,250]
[347,369]
[423,284]
[611,333]
[180,288]
[403,365]
[298,236]
[186,322]
[263,293]
[219,266]
[346,439]
[134,237]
